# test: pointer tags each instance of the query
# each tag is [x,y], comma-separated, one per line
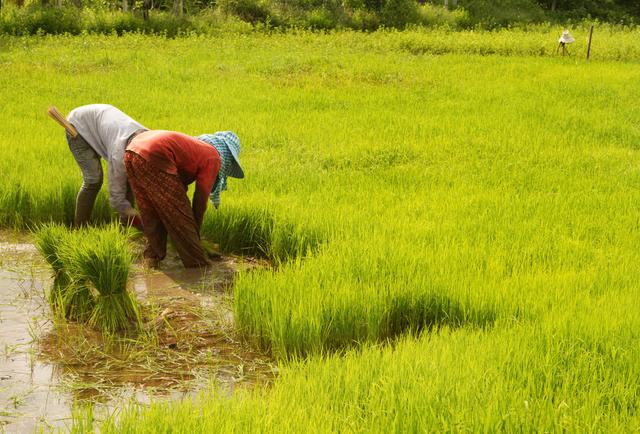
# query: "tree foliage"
[175,16]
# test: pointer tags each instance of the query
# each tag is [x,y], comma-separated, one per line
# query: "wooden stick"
[56,116]
[589,46]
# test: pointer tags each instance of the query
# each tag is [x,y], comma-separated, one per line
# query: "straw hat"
[566,38]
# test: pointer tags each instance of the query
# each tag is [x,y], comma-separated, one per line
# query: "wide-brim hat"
[232,142]
[566,37]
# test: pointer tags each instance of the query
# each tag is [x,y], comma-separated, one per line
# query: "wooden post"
[589,46]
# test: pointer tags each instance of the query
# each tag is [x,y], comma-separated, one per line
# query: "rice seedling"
[251,231]
[49,237]
[98,261]
[76,300]
[91,269]
[433,383]
[174,350]
[69,299]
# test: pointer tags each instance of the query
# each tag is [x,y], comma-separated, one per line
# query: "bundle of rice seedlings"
[68,298]
[77,301]
[101,259]
[48,239]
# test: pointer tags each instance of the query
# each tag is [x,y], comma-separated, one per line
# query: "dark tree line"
[480,11]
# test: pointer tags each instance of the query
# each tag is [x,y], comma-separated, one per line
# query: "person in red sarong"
[160,165]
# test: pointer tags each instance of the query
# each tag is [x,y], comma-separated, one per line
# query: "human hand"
[131,213]
[131,217]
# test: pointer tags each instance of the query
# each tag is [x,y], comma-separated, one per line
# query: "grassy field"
[482,209]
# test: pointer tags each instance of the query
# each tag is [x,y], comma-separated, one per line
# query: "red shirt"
[179,154]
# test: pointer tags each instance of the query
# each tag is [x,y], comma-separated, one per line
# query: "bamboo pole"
[56,116]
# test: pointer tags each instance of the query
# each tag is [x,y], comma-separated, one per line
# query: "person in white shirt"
[103,131]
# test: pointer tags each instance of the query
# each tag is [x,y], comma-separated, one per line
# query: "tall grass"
[36,19]
[450,381]
[253,231]
[366,293]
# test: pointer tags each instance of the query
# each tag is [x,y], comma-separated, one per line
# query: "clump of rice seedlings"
[68,299]
[255,231]
[76,300]
[91,269]
[101,260]
[49,237]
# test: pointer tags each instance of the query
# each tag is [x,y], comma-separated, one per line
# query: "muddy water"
[26,395]
[47,368]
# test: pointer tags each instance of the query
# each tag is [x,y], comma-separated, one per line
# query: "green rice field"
[453,218]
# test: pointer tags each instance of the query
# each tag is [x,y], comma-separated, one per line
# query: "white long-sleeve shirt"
[106,129]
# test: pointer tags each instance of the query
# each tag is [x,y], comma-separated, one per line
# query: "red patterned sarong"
[164,207]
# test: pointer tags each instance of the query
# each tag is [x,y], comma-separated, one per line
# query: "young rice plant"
[91,269]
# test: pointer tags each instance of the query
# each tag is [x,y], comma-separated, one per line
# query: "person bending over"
[103,131]
[160,166]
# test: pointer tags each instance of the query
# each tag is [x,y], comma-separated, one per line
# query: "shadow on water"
[188,342]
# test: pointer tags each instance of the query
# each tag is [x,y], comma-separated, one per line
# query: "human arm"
[205,179]
[199,205]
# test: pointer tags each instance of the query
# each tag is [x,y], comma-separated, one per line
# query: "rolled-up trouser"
[89,162]
[164,207]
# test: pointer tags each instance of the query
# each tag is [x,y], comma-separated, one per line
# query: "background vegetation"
[172,17]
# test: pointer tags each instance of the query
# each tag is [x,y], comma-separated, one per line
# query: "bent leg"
[143,182]
[173,206]
[89,162]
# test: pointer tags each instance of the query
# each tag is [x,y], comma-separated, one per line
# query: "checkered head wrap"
[228,146]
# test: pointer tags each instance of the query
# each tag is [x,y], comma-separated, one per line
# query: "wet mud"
[188,342]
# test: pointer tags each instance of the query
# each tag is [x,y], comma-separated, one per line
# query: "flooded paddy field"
[488,202]
[188,343]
